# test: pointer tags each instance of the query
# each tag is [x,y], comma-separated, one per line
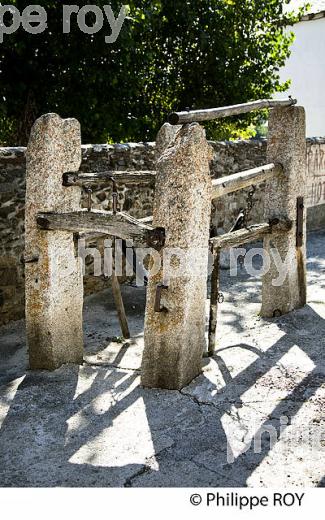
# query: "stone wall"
[137,202]
[12,215]
[229,158]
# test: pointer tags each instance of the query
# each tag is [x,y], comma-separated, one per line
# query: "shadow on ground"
[253,418]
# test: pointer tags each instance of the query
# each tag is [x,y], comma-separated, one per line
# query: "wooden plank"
[94,236]
[117,295]
[146,220]
[213,305]
[120,225]
[249,234]
[191,116]
[107,177]
[243,179]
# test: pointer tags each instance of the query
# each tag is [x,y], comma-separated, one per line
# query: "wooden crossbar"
[124,177]
[191,116]
[94,236]
[120,225]
[249,234]
[243,179]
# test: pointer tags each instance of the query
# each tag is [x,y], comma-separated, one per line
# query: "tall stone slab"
[175,336]
[286,145]
[54,290]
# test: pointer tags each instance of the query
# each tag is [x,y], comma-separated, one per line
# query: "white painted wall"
[306,69]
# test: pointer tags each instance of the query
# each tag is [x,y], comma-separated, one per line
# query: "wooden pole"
[214,304]
[121,224]
[123,177]
[117,295]
[191,116]
[243,179]
[93,236]
[250,234]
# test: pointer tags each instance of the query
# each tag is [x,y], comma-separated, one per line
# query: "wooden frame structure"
[53,217]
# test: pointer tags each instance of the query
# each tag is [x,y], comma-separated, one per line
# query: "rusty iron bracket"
[156,238]
[159,289]
[300,222]
[29,259]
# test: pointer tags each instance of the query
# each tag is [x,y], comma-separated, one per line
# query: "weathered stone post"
[284,289]
[54,291]
[165,138]
[175,316]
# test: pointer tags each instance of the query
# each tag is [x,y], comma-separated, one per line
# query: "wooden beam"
[146,220]
[191,116]
[94,236]
[249,234]
[120,225]
[117,295]
[240,180]
[214,293]
[106,177]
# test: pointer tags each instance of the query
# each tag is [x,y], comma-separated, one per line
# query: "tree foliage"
[170,54]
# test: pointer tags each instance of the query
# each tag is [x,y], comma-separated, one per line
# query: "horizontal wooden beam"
[121,177]
[120,225]
[249,234]
[240,180]
[96,236]
[191,116]
[146,220]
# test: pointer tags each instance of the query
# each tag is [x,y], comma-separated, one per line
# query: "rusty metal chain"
[114,197]
[89,191]
[241,220]
[220,297]
[241,260]
[249,205]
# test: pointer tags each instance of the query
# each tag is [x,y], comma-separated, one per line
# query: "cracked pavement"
[254,417]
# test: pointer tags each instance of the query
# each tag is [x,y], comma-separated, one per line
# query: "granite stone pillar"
[165,137]
[175,336]
[54,289]
[284,287]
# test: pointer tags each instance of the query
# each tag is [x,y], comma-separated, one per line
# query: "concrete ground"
[255,417]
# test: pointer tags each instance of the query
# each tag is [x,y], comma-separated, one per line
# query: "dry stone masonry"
[138,201]
[229,157]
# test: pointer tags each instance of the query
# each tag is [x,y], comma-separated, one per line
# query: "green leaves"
[170,54]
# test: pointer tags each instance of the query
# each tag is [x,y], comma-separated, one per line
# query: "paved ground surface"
[255,417]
